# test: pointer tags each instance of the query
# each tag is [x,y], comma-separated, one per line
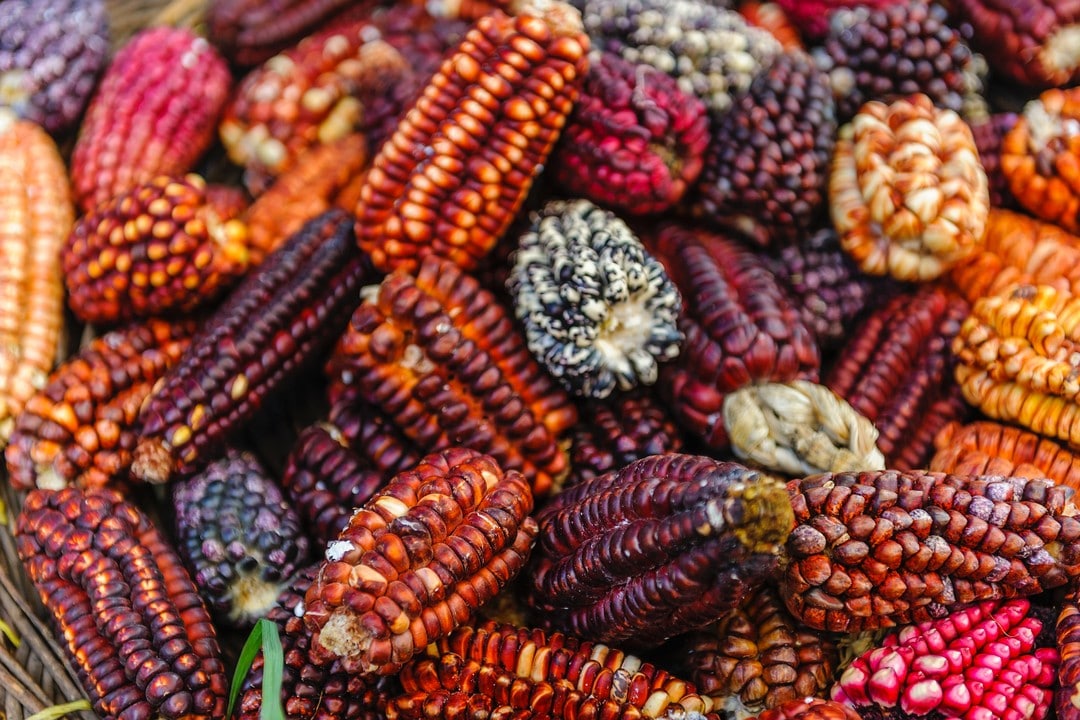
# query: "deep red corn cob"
[810,708]
[441,358]
[154,113]
[501,671]
[418,559]
[457,169]
[661,546]
[739,324]
[160,248]
[125,610]
[757,657]
[310,690]
[634,142]
[285,312]
[318,92]
[52,54]
[897,371]
[990,448]
[878,549]
[980,661]
[811,17]
[80,428]
[239,538]
[249,32]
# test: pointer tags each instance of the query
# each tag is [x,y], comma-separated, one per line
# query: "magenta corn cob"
[284,313]
[154,113]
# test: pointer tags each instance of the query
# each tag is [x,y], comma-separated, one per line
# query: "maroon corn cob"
[1067,630]
[284,313]
[810,708]
[877,549]
[126,612]
[251,31]
[154,113]
[663,545]
[897,371]
[451,178]
[739,325]
[162,247]
[80,428]
[501,671]
[309,690]
[418,559]
[442,359]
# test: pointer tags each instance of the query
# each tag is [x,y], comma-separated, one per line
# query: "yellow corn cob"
[36,214]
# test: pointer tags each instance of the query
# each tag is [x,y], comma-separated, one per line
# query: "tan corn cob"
[36,214]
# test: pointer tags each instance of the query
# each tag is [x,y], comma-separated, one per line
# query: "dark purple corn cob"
[51,53]
[661,546]
[988,134]
[828,289]
[284,313]
[739,323]
[634,142]
[896,50]
[238,537]
[154,113]
[310,691]
[768,157]
[620,429]
[884,548]
[250,31]
[897,371]
[125,610]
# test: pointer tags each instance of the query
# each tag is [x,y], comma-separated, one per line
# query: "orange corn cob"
[1017,359]
[1018,249]
[36,213]
[990,448]
[771,17]
[1040,157]
[451,178]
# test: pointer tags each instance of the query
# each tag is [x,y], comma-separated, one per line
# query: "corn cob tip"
[151,462]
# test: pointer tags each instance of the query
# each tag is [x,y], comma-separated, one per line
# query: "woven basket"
[35,677]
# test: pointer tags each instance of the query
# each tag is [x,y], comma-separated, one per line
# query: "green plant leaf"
[243,664]
[273,669]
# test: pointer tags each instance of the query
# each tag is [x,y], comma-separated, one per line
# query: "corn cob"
[621,429]
[282,314]
[125,610]
[989,133]
[738,323]
[238,537]
[756,657]
[1018,249]
[897,367]
[990,448]
[313,94]
[417,559]
[878,549]
[160,248]
[1038,158]
[663,545]
[635,142]
[249,32]
[810,708]
[314,185]
[599,311]
[52,54]
[1067,632]
[501,671]
[154,113]
[799,428]
[1016,359]
[468,9]
[80,428]
[906,191]
[309,690]
[770,16]
[457,169]
[984,660]
[37,213]
[443,361]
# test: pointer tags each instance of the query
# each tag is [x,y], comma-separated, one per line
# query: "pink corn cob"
[979,662]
